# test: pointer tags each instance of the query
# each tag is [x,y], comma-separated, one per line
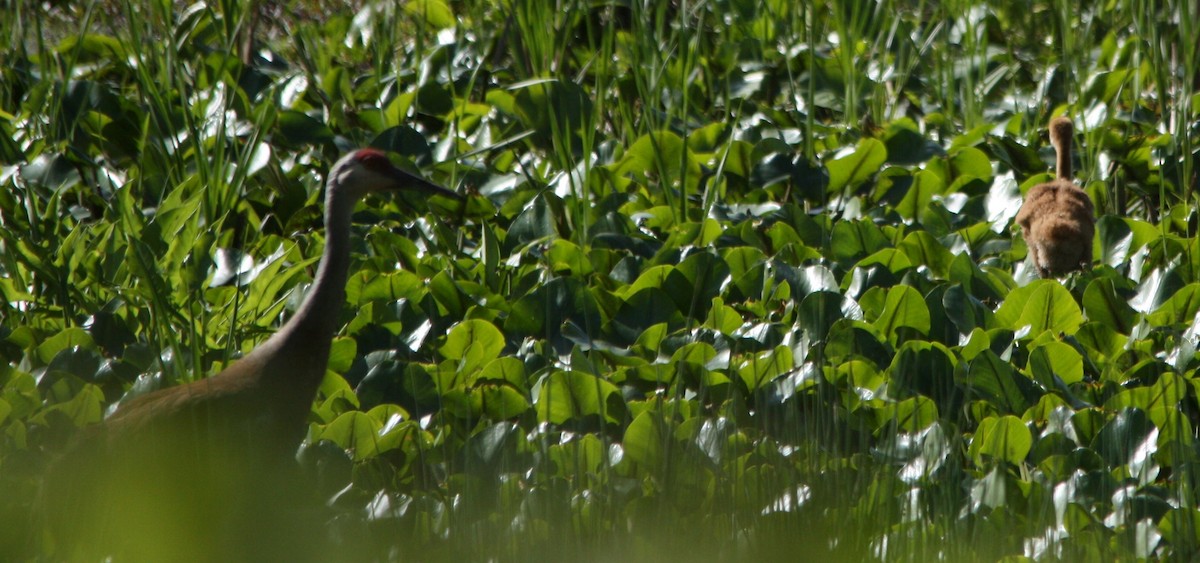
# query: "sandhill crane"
[1057,218]
[183,473]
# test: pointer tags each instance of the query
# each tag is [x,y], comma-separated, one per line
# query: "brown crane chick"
[1057,218]
[203,471]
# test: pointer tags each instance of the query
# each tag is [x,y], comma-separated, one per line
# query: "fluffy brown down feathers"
[1057,218]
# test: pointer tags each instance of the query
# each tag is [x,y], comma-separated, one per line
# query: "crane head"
[369,170]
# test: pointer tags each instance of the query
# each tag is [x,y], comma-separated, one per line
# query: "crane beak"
[408,181]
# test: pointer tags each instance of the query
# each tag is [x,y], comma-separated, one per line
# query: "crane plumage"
[175,474]
[1057,219]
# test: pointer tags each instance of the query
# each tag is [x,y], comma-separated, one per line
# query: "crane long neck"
[301,347]
[1063,152]
[1061,130]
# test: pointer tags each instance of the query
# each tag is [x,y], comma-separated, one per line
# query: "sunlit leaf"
[571,396]
[856,167]
[904,308]
[1005,438]
[473,332]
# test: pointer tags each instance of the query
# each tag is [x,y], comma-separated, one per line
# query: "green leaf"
[906,145]
[924,186]
[1042,305]
[995,380]
[296,128]
[910,415]
[819,310]
[657,153]
[500,402]
[925,368]
[903,308]
[342,352]
[855,168]
[565,258]
[965,310]
[1179,309]
[1003,438]
[435,12]
[924,250]
[1056,359]
[1127,434]
[723,318]
[64,339]
[970,162]
[506,369]
[765,367]
[537,222]
[644,440]
[1181,527]
[1102,304]
[470,334]
[573,396]
[852,240]
[355,432]
[1121,237]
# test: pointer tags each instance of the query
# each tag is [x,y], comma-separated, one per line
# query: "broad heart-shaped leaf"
[71,337]
[573,396]
[964,310]
[80,362]
[746,268]
[1124,436]
[925,368]
[1042,305]
[1121,237]
[644,439]
[995,380]
[555,110]
[1056,359]
[703,273]
[1158,400]
[296,128]
[84,408]
[566,258]
[1181,527]
[536,222]
[473,333]
[435,12]
[925,184]
[819,310]
[764,367]
[852,337]
[852,240]
[542,311]
[903,307]
[924,250]
[646,308]
[723,318]
[1103,305]
[1180,309]
[355,432]
[910,415]
[1005,438]
[1156,289]
[970,162]
[906,145]
[659,153]
[342,352]
[501,402]
[856,167]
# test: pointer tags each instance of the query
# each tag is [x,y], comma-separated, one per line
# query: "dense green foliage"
[738,278]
